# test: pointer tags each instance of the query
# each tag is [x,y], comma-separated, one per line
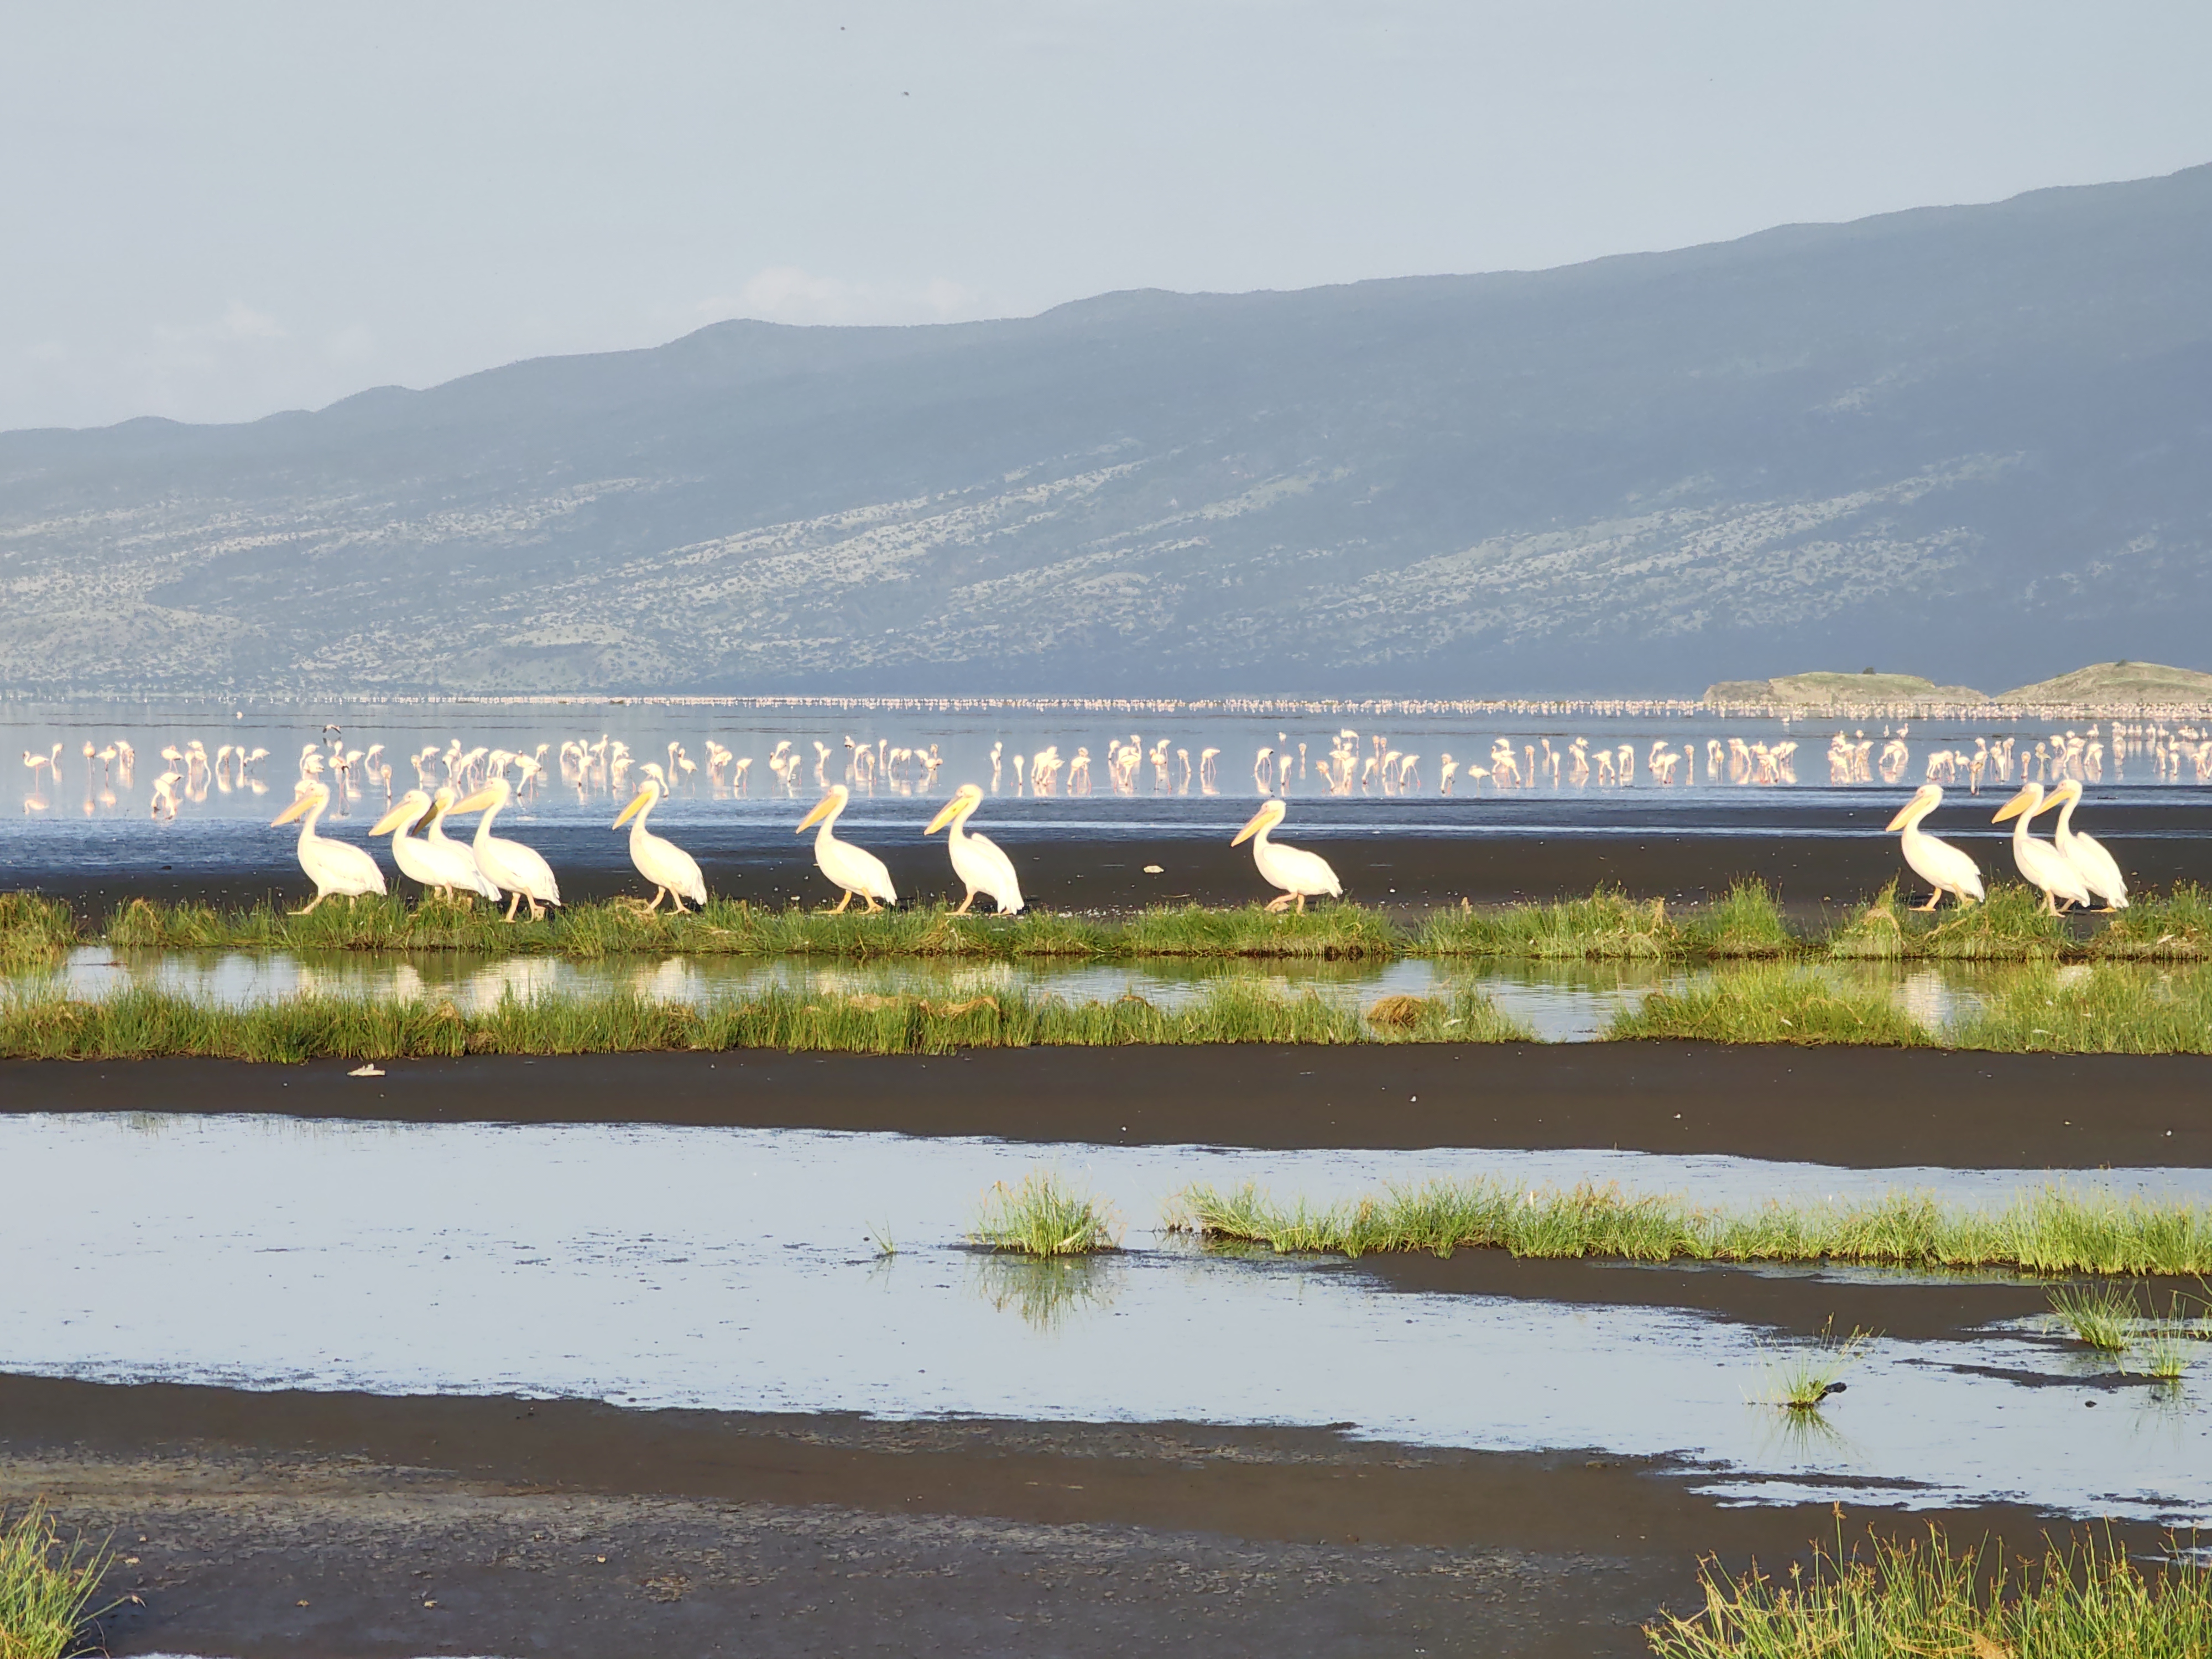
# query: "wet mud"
[1859,1108]
[1818,856]
[314,1524]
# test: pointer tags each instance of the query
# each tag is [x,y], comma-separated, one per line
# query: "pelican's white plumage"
[334,867]
[853,869]
[1941,866]
[516,870]
[2099,870]
[2042,864]
[469,875]
[1301,875]
[673,873]
[977,860]
[431,862]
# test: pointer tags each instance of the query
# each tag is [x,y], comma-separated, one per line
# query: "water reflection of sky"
[731,1268]
[1560,1002]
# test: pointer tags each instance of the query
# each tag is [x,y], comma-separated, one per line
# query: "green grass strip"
[1921,1596]
[1746,922]
[1760,1002]
[140,1024]
[2053,1231]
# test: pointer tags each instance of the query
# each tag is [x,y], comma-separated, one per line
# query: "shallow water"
[732,1269]
[1560,1002]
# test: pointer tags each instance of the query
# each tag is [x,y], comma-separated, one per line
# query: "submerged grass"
[1042,1216]
[2053,1231]
[2088,1600]
[1770,1003]
[46,1586]
[142,1023]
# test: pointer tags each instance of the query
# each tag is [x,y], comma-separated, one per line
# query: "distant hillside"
[1830,691]
[1974,438]
[2108,683]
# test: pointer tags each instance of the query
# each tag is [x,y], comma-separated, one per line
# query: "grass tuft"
[1801,1376]
[1760,1003]
[33,929]
[2053,1231]
[2099,1316]
[1042,1216]
[1744,922]
[46,1588]
[1921,1596]
[1607,925]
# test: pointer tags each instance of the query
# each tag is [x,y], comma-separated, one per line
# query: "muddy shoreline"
[1818,857]
[1863,1108]
[326,1524]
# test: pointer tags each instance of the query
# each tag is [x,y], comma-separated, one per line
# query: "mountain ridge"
[1968,436]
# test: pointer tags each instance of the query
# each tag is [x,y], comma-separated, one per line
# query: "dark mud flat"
[1861,1107]
[303,1525]
[1824,849]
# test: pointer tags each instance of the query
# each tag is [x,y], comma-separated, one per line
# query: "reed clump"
[1608,925]
[1743,922]
[2054,1229]
[46,1588]
[1770,1003]
[1920,1596]
[2175,927]
[1801,1376]
[146,1023]
[34,929]
[1043,1216]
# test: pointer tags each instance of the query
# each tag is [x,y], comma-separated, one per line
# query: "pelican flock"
[96,774]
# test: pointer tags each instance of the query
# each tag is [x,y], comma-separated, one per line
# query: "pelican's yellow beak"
[292,811]
[1903,813]
[2013,807]
[475,802]
[636,805]
[1259,818]
[822,808]
[949,812]
[400,816]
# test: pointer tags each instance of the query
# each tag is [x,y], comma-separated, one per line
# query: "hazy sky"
[215,210]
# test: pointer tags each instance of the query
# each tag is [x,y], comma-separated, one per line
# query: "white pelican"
[334,867]
[1301,875]
[2042,864]
[673,873]
[1941,866]
[516,869]
[852,868]
[2098,868]
[420,858]
[977,860]
[435,836]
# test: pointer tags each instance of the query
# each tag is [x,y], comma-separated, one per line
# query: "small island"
[2105,685]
